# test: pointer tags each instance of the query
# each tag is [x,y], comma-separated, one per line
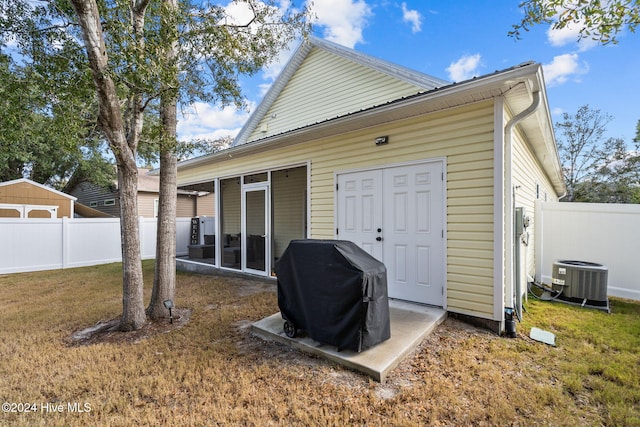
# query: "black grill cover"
[334,291]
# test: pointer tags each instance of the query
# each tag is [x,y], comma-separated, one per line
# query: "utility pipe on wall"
[509,199]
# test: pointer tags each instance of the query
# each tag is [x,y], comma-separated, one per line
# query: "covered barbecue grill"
[334,291]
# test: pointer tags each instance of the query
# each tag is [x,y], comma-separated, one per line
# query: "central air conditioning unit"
[580,281]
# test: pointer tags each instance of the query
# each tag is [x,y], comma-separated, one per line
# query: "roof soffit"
[474,90]
[515,84]
[538,127]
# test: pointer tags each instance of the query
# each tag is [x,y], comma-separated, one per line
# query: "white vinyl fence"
[607,234]
[47,244]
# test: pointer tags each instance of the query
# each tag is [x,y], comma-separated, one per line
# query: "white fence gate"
[47,244]
[607,234]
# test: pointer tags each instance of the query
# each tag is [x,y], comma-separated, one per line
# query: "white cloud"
[204,121]
[562,68]
[240,13]
[342,20]
[464,68]
[272,71]
[567,35]
[557,111]
[563,36]
[264,88]
[10,41]
[412,17]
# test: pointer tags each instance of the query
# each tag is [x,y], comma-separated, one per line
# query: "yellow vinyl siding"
[326,86]
[255,222]
[231,205]
[527,173]
[463,135]
[288,193]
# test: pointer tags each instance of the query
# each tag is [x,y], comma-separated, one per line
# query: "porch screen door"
[255,234]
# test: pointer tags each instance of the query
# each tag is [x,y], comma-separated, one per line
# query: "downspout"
[509,207]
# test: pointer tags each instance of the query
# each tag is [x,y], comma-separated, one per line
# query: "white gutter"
[509,197]
[390,111]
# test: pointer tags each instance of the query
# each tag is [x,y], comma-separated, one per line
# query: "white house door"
[360,210]
[397,215]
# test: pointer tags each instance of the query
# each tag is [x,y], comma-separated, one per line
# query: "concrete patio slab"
[410,324]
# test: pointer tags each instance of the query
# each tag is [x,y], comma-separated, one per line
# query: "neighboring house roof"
[147,182]
[516,85]
[371,81]
[28,181]
[88,212]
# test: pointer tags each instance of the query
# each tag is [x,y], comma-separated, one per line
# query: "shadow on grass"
[108,332]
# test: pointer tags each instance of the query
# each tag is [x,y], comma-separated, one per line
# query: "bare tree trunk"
[133,314]
[165,272]
[112,123]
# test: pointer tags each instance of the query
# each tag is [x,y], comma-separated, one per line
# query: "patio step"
[410,324]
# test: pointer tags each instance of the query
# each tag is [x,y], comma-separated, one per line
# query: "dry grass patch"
[211,371]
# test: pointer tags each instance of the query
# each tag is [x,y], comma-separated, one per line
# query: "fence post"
[65,241]
[141,236]
[538,230]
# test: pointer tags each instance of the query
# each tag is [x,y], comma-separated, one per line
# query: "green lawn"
[213,372]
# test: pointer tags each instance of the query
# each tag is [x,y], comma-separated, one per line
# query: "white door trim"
[247,188]
[443,160]
[443,205]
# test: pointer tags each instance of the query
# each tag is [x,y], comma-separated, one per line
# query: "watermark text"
[46,407]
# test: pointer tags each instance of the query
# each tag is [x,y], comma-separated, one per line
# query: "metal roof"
[516,84]
[396,71]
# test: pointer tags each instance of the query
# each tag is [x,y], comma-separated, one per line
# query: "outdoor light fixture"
[381,140]
[168,304]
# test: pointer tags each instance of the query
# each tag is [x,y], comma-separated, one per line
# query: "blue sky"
[456,40]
